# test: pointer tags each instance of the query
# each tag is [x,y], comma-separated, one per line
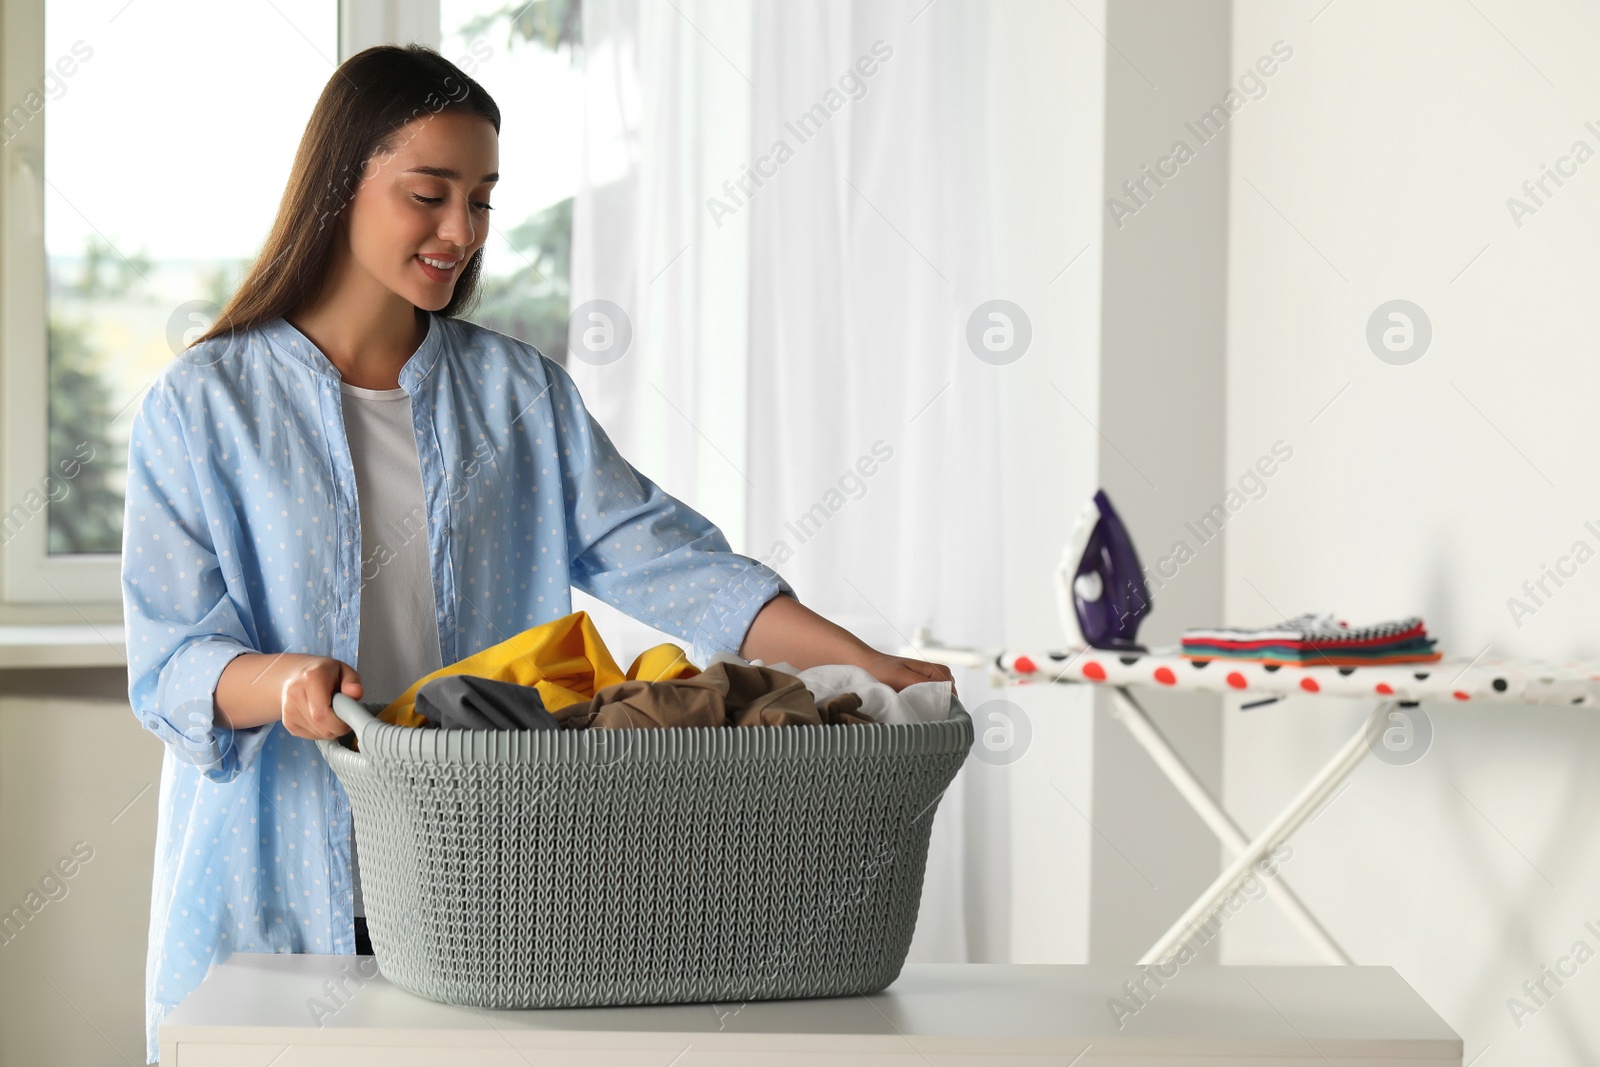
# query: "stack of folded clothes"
[561,676]
[1317,640]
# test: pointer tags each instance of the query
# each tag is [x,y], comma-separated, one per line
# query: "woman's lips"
[434,273]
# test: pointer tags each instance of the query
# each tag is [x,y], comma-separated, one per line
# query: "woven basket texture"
[536,869]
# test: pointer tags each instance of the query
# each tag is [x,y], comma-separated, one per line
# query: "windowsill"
[86,645]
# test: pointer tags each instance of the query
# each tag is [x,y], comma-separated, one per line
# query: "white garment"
[922,702]
[399,640]
[786,668]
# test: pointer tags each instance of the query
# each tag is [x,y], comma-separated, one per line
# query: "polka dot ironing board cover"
[1490,680]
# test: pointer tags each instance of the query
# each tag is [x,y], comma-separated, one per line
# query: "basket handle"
[355,716]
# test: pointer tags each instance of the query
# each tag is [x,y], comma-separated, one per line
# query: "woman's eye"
[480,205]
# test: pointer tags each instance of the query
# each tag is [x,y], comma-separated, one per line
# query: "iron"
[1100,588]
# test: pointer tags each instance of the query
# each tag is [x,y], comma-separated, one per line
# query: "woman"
[343,473]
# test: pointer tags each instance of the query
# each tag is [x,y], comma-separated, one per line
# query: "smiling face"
[427,200]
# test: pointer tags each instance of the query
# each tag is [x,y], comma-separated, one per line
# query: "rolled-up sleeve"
[182,625]
[643,551]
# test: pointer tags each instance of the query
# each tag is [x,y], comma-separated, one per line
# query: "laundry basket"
[566,868]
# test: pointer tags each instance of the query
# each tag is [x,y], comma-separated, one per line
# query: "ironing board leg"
[1288,821]
[1128,711]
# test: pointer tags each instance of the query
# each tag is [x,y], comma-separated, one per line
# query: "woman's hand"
[257,688]
[786,631]
[897,672]
[308,696]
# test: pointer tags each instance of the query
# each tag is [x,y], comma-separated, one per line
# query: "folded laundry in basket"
[724,694]
[468,702]
[564,659]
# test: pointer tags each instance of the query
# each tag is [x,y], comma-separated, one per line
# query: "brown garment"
[843,709]
[723,694]
[836,710]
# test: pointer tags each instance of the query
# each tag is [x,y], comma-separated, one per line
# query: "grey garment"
[470,702]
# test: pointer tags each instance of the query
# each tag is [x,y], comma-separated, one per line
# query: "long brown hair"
[357,118]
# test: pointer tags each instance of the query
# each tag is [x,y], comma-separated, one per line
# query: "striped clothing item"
[1314,638]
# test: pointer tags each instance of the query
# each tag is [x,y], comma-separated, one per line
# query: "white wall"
[1047,125]
[1378,166]
[1163,420]
[78,778]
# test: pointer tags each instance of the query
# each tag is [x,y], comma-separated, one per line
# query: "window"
[525,55]
[153,153]
[145,157]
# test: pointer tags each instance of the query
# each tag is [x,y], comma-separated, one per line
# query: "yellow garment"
[564,659]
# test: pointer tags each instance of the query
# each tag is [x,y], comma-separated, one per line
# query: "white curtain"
[798,369]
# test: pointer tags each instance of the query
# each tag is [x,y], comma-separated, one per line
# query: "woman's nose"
[457,227]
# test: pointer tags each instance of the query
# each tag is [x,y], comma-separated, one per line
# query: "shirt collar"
[291,343]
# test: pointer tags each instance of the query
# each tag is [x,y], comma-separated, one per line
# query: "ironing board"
[1397,686]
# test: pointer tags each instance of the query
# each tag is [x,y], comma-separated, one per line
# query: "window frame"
[28,573]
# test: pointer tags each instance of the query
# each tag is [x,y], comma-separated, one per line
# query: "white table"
[1397,687]
[258,1010]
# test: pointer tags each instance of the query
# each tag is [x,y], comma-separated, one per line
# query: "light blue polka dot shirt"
[242,534]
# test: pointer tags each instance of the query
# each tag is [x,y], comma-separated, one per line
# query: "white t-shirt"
[399,640]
